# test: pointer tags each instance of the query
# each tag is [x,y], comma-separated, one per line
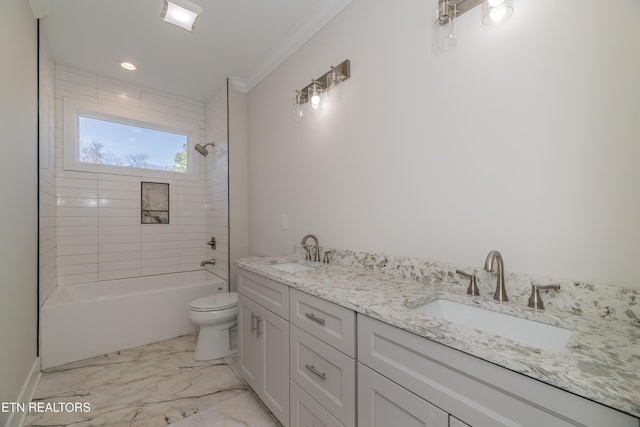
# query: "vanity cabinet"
[469,389]
[315,363]
[322,362]
[263,335]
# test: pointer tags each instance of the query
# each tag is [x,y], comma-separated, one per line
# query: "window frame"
[74,108]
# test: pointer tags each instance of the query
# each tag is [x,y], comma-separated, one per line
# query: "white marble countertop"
[601,362]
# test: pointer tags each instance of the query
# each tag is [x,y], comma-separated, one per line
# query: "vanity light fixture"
[493,12]
[312,93]
[182,13]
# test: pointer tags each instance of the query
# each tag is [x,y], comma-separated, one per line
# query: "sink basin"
[293,267]
[535,334]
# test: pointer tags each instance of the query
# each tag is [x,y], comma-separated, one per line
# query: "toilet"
[216,315]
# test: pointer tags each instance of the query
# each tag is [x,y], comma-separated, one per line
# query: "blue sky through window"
[122,140]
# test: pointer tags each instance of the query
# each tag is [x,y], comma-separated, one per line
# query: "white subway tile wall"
[97,222]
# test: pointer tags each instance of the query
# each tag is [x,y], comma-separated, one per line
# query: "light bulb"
[497,14]
[314,97]
[496,11]
[315,100]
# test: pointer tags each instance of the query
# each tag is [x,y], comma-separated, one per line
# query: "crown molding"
[320,16]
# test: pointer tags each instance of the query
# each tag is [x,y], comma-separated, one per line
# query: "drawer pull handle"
[313,369]
[258,331]
[253,322]
[315,318]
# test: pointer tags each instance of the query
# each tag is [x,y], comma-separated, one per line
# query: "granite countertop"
[601,362]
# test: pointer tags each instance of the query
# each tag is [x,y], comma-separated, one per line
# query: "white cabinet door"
[273,332]
[383,403]
[248,342]
[264,355]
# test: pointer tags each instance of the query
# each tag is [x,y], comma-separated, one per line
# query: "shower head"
[201,148]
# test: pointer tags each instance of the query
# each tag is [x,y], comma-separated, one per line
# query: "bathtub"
[90,319]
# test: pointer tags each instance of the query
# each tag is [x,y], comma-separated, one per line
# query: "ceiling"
[244,39]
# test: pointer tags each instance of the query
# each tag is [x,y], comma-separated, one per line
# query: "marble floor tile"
[241,410]
[147,386]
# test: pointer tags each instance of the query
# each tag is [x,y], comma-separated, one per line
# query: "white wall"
[18,186]
[238,178]
[99,235]
[524,139]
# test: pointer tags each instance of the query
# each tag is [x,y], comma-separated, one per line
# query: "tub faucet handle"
[473,286]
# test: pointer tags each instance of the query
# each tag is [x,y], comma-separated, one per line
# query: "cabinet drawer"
[331,323]
[306,412]
[474,391]
[325,373]
[268,293]
[383,403]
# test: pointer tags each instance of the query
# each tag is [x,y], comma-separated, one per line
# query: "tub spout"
[211,261]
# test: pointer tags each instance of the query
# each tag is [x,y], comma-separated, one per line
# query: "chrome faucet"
[211,261]
[501,292]
[316,255]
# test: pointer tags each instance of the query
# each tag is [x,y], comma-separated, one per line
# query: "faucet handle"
[326,258]
[308,249]
[473,287]
[535,301]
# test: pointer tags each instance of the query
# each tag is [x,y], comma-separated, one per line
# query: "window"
[101,139]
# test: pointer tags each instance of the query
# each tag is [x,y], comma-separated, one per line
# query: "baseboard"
[16,419]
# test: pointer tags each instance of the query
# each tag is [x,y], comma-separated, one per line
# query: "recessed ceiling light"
[182,13]
[128,66]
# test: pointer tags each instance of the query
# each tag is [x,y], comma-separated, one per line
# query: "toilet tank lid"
[216,301]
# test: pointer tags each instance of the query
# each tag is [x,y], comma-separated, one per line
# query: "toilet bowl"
[216,315]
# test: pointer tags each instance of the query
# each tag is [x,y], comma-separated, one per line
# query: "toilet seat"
[215,302]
